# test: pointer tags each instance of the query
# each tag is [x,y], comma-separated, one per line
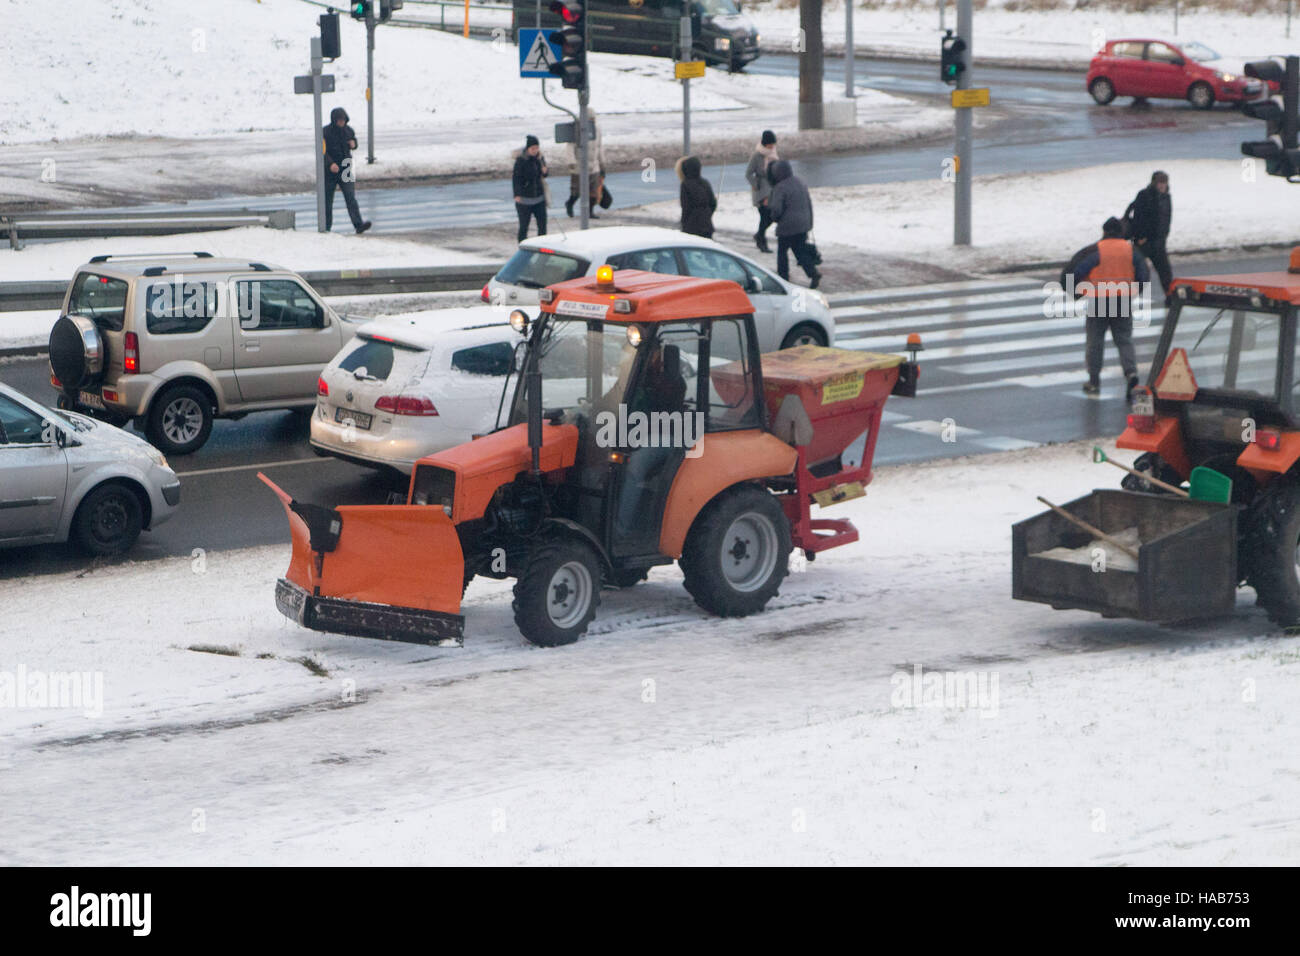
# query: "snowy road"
[663,735]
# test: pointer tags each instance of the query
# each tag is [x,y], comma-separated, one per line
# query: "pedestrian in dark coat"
[1150,214]
[759,186]
[790,206]
[698,201]
[530,190]
[340,141]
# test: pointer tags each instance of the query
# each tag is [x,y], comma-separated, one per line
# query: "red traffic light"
[571,12]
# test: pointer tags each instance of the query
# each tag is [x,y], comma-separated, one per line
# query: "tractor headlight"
[519,321]
[634,335]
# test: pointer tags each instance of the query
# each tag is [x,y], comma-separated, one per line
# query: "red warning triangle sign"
[1176,382]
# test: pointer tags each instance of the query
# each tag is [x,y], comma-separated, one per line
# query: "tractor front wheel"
[737,552]
[557,594]
[1272,550]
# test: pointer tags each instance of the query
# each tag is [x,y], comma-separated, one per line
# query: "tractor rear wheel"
[557,594]
[1272,553]
[737,552]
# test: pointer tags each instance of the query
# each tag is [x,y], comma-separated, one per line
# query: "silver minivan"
[65,476]
[174,341]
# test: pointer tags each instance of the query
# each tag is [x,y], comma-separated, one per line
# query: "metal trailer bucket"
[393,572]
[1186,566]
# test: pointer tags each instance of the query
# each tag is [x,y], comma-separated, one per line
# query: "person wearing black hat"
[530,190]
[760,188]
[340,141]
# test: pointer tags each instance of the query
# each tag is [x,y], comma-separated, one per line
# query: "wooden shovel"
[1095,532]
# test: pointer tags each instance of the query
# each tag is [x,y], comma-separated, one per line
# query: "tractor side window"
[731,391]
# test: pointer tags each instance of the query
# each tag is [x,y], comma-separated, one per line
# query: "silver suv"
[173,341]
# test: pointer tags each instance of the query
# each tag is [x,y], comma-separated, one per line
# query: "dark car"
[1155,69]
[723,36]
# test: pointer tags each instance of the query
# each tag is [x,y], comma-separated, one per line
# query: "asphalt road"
[1005,377]
[1053,124]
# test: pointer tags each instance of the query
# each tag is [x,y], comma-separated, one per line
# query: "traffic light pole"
[584,142]
[318,143]
[961,233]
[370,84]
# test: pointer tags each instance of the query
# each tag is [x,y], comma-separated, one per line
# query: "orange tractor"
[644,428]
[1221,410]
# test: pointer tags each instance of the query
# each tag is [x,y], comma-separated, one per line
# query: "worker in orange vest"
[1110,275]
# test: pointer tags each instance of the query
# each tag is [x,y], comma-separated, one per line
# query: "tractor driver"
[662,388]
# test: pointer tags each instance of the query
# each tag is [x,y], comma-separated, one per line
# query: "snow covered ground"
[1064,37]
[226,734]
[1036,217]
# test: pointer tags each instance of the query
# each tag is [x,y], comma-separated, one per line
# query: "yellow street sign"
[689,70]
[966,98]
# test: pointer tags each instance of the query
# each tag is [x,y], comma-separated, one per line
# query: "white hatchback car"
[408,386]
[785,314]
[63,475]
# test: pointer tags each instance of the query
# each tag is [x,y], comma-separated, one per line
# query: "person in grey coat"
[759,187]
[790,207]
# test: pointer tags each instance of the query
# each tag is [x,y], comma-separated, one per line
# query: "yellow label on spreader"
[842,388]
[838,493]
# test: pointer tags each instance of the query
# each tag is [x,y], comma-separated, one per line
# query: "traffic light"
[951,63]
[360,9]
[572,40]
[330,48]
[1280,151]
[386,8]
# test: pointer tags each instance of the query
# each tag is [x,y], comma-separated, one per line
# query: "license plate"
[1143,403]
[359,419]
[91,399]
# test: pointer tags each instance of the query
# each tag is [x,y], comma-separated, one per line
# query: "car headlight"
[820,298]
[1228,77]
[157,457]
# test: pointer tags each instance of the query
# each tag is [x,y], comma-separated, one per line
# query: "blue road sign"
[537,51]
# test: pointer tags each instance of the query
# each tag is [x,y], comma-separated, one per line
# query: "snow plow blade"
[1186,565]
[392,572]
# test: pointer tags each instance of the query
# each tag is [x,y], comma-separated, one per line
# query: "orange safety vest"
[1116,264]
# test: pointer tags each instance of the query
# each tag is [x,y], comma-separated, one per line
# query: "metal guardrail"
[87,225]
[48,294]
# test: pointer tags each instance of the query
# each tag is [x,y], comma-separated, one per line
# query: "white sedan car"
[63,475]
[408,386]
[785,314]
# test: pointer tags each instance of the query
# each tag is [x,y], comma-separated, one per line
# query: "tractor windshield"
[581,361]
[1231,349]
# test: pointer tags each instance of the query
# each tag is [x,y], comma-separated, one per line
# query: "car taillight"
[406,405]
[54,380]
[131,353]
[486,296]
[1268,440]
[322,387]
[1142,423]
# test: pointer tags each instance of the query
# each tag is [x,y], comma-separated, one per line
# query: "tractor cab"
[1223,388]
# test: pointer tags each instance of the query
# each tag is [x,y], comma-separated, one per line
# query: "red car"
[1150,69]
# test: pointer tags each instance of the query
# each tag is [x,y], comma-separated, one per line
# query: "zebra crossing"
[1001,367]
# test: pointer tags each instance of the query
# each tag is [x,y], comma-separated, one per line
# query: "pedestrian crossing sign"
[537,52]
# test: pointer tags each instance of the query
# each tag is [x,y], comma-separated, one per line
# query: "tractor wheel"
[1271,550]
[737,552]
[1102,90]
[1151,464]
[557,593]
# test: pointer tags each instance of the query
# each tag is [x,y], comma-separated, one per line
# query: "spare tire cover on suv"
[76,352]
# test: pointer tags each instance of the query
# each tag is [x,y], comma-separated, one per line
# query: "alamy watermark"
[956,690]
[22,689]
[633,429]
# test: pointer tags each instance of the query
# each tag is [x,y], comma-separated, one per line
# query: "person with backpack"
[1148,217]
[1108,274]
